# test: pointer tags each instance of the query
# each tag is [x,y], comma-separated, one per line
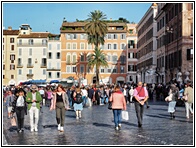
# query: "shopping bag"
[125,115]
[13,121]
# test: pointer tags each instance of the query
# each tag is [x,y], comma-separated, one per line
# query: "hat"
[34,87]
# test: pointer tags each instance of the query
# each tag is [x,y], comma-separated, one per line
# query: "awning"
[54,81]
[37,81]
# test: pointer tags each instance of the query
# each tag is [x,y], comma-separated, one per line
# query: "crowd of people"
[23,99]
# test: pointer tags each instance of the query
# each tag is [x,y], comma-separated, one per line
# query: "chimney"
[9,28]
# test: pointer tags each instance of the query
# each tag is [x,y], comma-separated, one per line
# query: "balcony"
[53,69]
[29,76]
[32,45]
[19,65]
[30,65]
[68,62]
[43,65]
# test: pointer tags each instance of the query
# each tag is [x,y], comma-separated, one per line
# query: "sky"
[48,16]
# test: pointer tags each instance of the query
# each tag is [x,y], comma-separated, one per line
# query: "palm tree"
[96,29]
[97,59]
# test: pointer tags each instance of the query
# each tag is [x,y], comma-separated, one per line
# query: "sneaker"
[119,125]
[59,127]
[32,130]
[62,129]
[20,131]
[117,128]
[36,130]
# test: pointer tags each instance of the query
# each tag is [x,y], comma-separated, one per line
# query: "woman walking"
[60,103]
[78,103]
[19,106]
[118,103]
[188,104]
[9,103]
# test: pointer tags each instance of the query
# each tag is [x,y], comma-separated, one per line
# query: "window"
[12,76]
[191,27]
[3,66]
[12,47]
[102,70]
[58,46]
[89,46]
[190,54]
[49,75]
[114,58]
[30,71]
[50,55]
[68,46]
[82,36]
[12,57]
[19,61]
[44,72]
[115,36]
[115,46]
[58,65]
[68,69]
[12,67]
[30,51]
[81,68]
[122,69]
[49,65]
[30,41]
[109,46]
[19,71]
[3,40]
[44,42]
[109,70]
[58,55]
[81,57]
[68,59]
[109,36]
[81,45]
[68,36]
[11,40]
[74,36]
[3,76]
[123,46]
[50,47]
[43,62]
[58,75]
[74,69]
[131,31]
[74,45]
[20,42]
[123,36]
[123,59]
[114,70]
[44,51]
[108,57]
[74,59]
[20,51]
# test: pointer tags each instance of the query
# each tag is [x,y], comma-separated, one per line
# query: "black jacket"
[14,105]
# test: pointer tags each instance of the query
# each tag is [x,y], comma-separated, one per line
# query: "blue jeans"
[70,102]
[117,116]
[84,100]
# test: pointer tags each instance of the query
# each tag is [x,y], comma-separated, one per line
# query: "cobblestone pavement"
[97,128]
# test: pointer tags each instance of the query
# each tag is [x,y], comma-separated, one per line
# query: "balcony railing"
[29,75]
[30,65]
[53,69]
[19,65]
[34,44]
[43,66]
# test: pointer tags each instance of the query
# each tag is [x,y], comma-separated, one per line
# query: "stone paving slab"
[97,128]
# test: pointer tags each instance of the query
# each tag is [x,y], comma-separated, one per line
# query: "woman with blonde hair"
[60,103]
[78,103]
[118,103]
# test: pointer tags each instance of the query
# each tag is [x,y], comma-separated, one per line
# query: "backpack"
[78,99]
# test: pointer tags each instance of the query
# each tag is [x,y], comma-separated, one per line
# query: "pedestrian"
[20,107]
[60,103]
[97,96]
[78,103]
[188,104]
[33,99]
[174,93]
[141,95]
[91,94]
[9,103]
[49,97]
[118,103]
[145,87]
[131,94]
[84,95]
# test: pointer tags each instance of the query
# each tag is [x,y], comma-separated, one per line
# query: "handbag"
[185,98]
[109,105]
[125,115]
[13,121]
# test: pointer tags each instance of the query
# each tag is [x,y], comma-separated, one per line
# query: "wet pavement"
[97,128]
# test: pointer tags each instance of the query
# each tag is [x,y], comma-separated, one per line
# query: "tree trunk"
[97,76]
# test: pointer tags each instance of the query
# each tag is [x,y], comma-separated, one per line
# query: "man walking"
[141,95]
[33,99]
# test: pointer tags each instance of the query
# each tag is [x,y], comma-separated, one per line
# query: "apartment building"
[54,57]
[147,45]
[179,43]
[32,54]
[75,49]
[10,56]
[131,53]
